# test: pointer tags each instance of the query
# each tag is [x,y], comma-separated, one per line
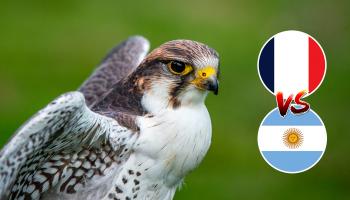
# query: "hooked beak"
[213,85]
[206,79]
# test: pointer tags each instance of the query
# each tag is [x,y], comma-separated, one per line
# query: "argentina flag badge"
[293,143]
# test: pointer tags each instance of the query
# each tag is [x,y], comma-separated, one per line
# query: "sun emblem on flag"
[293,138]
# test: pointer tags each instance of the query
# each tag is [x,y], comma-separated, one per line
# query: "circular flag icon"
[290,62]
[294,143]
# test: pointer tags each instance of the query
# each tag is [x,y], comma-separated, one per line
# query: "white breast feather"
[174,142]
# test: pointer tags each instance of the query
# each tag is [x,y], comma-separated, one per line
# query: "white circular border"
[296,172]
[324,55]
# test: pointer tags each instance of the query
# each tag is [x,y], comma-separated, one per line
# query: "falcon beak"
[213,85]
[206,79]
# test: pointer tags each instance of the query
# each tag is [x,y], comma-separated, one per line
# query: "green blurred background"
[48,48]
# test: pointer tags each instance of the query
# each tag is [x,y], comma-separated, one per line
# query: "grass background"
[48,48]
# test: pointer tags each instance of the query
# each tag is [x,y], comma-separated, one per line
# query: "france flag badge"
[292,61]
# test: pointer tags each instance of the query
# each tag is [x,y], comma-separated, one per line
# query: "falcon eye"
[179,68]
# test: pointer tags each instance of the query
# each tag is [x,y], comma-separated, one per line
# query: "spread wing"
[122,60]
[63,125]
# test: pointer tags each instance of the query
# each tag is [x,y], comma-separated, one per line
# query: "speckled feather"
[45,150]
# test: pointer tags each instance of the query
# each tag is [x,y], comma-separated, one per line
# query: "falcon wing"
[122,60]
[64,124]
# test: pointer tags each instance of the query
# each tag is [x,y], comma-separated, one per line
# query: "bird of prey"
[135,128]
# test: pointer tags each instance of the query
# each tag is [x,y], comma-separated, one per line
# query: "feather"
[121,61]
[64,125]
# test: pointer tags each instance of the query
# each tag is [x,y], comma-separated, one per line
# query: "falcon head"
[178,73]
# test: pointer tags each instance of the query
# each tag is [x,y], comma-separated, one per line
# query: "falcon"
[134,129]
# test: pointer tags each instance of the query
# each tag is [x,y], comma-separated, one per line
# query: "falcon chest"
[174,142]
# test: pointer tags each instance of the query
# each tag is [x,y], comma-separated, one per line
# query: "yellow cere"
[206,72]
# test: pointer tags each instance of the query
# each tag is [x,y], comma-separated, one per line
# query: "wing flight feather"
[121,61]
[66,123]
